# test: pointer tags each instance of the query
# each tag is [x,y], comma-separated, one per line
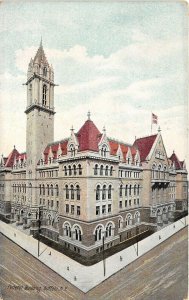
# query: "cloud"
[87,85]
[119,89]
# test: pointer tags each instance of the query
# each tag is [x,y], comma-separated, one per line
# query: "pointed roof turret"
[176,161]
[88,136]
[12,157]
[40,55]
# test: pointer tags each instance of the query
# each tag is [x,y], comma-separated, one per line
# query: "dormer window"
[104,151]
[72,150]
[45,71]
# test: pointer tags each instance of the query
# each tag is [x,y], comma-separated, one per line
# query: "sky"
[120,60]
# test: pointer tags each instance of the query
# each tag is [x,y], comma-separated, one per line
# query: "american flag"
[154,119]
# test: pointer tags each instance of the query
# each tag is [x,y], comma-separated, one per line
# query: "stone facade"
[87,189]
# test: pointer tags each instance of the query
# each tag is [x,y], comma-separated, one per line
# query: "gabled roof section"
[54,147]
[10,160]
[114,145]
[40,56]
[89,136]
[178,164]
[144,145]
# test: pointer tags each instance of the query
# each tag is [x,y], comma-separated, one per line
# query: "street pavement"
[160,274]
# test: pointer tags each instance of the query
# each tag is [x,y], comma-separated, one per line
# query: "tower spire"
[41,43]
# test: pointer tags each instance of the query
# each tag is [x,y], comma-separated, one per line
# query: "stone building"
[87,188]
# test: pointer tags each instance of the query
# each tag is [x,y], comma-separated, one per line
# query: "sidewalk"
[87,277]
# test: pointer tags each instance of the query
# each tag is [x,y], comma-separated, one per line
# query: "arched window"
[67,230]
[120,222]
[80,169]
[70,170]
[72,150]
[130,189]
[65,170]
[45,71]
[101,170]
[104,151]
[137,217]
[153,171]
[67,192]
[138,190]
[159,171]
[106,171]
[135,189]
[77,233]
[111,171]
[96,170]
[78,192]
[109,192]
[128,220]
[109,230]
[43,189]
[47,189]
[51,190]
[126,190]
[165,169]
[98,192]
[121,191]
[57,190]
[98,233]
[72,191]
[74,170]
[44,102]
[104,192]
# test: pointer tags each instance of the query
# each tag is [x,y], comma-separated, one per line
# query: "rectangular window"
[129,202]
[78,210]
[109,208]
[97,210]
[120,204]
[57,204]
[103,209]
[51,203]
[72,209]
[43,201]
[125,203]
[67,208]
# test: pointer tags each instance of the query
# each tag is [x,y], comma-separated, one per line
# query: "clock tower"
[40,117]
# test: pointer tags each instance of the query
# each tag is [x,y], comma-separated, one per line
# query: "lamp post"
[104,265]
[39,225]
[137,231]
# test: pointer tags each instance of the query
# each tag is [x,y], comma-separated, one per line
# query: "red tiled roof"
[113,147]
[21,156]
[10,160]
[178,164]
[54,147]
[144,145]
[88,136]
[124,148]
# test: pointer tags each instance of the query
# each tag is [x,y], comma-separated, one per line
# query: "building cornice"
[39,108]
